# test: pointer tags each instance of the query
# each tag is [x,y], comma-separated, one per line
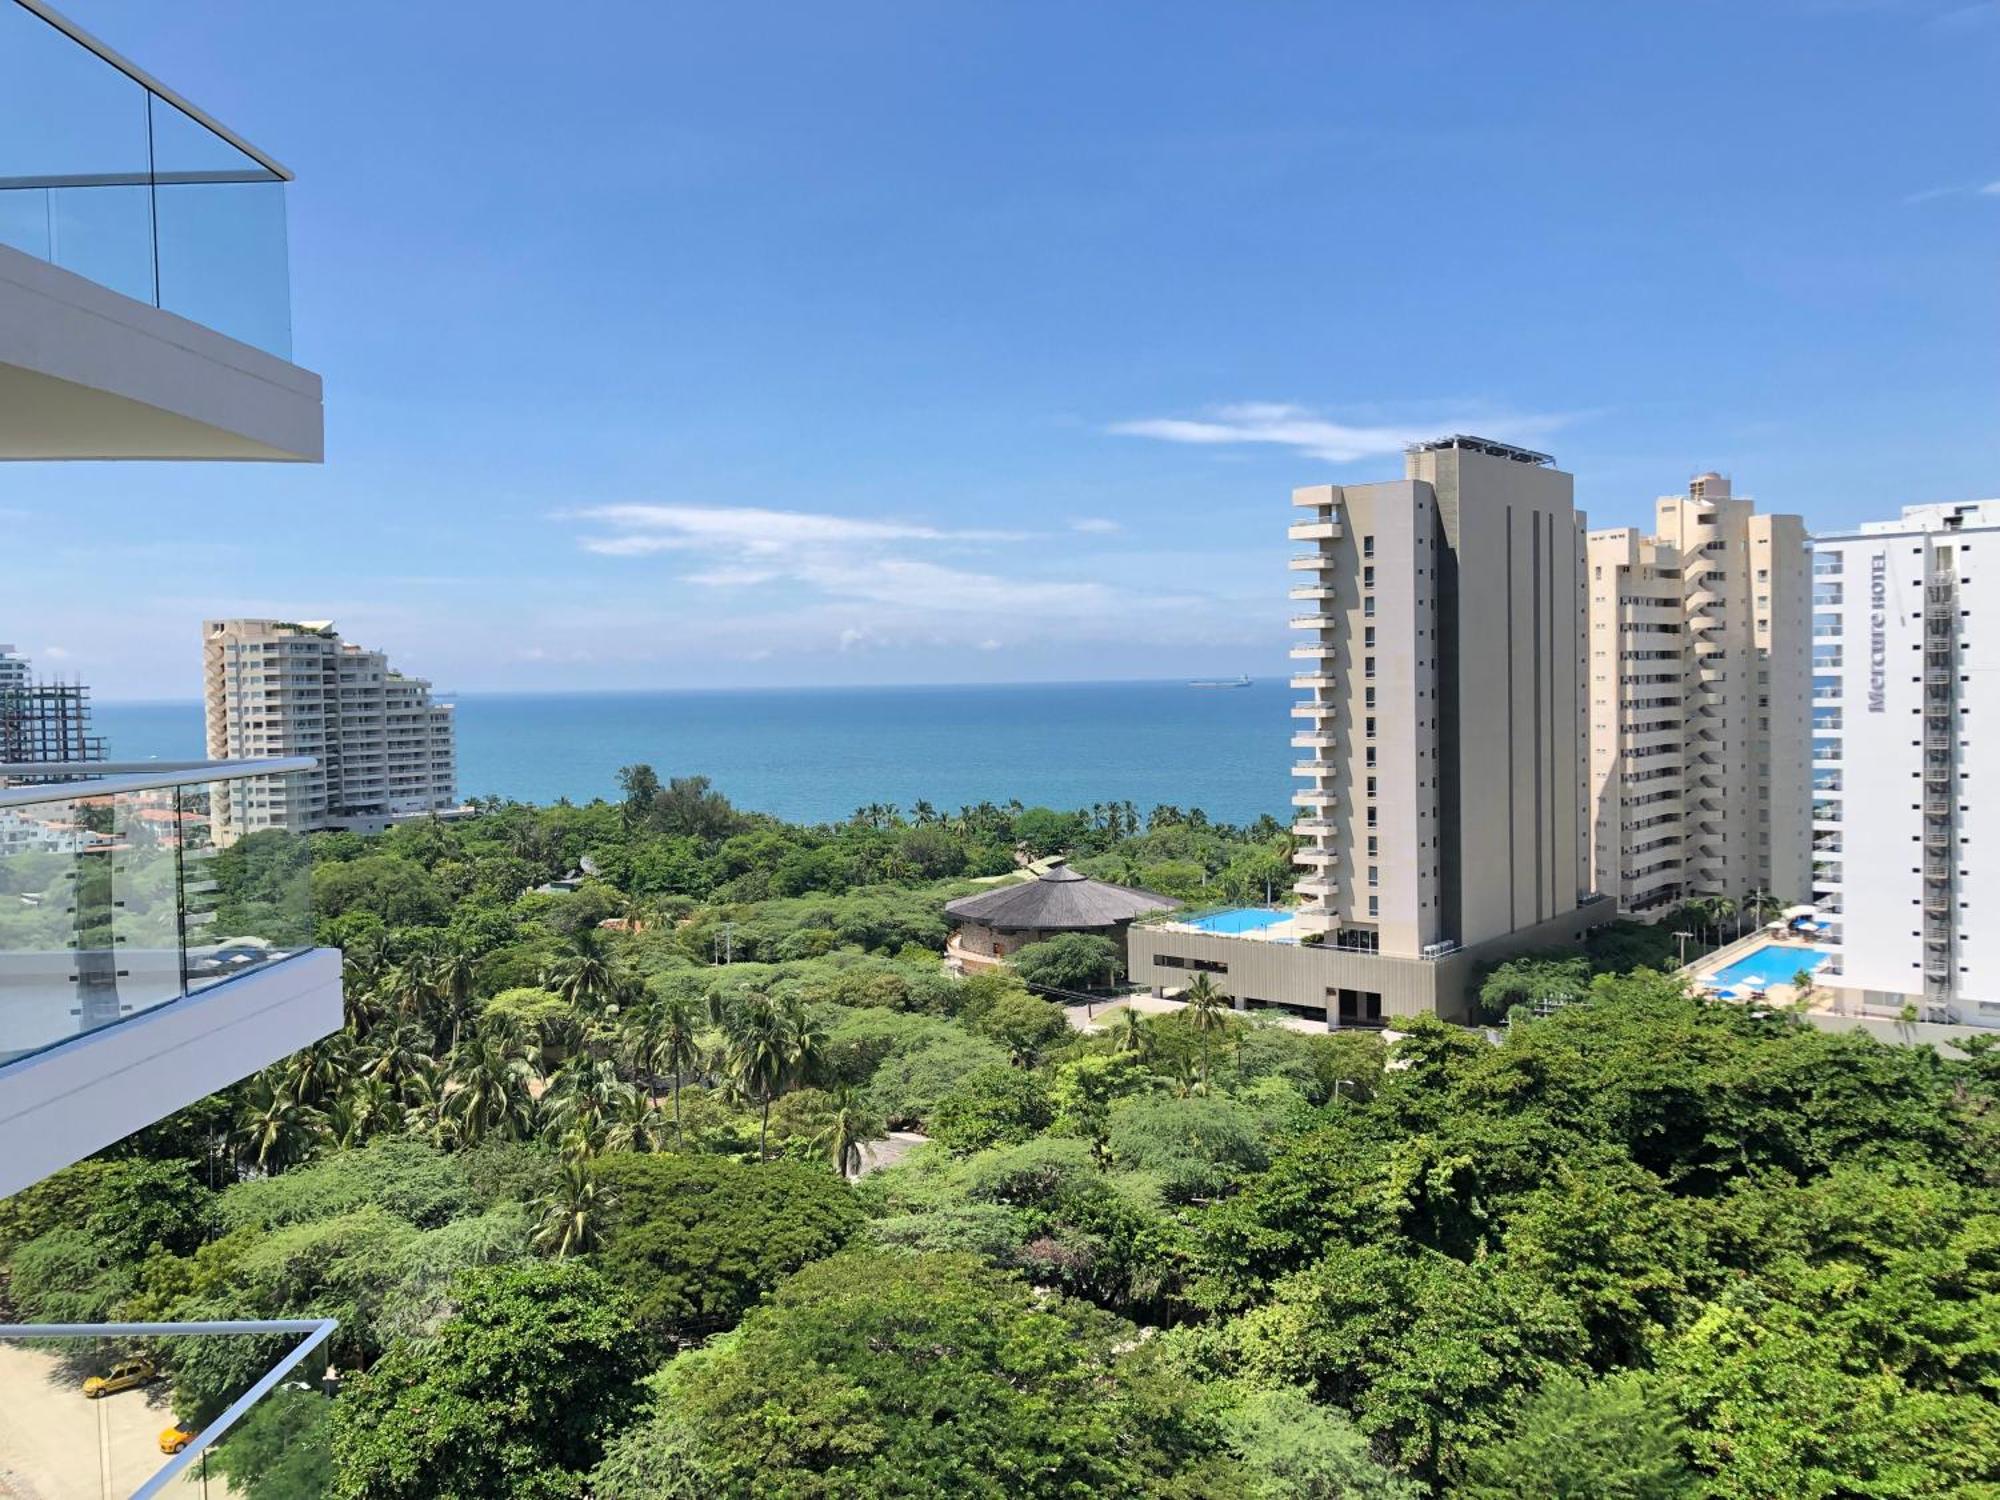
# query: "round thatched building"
[989,926]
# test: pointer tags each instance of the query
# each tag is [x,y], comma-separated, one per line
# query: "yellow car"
[126,1375]
[175,1438]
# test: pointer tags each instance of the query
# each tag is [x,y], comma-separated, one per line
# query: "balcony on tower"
[145,300]
[143,966]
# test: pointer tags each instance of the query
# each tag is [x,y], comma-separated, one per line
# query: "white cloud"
[56,653]
[1304,431]
[1960,190]
[1991,190]
[1095,525]
[643,529]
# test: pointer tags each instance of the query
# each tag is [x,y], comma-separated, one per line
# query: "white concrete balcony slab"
[1311,680]
[1309,591]
[1312,562]
[1318,712]
[1315,651]
[1318,796]
[1316,740]
[1313,828]
[1316,622]
[1318,859]
[1317,886]
[1323,530]
[1315,768]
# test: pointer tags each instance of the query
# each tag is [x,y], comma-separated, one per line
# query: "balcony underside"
[88,374]
[61,1105]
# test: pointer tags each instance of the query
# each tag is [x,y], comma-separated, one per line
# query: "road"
[55,1445]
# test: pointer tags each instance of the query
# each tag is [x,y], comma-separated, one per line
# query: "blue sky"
[746,344]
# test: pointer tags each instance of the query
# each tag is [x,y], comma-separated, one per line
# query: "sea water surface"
[815,754]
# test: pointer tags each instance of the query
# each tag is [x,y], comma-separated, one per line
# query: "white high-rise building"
[386,751]
[1905,684]
[1698,683]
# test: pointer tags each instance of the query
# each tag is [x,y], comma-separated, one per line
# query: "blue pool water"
[1240,919]
[1762,967]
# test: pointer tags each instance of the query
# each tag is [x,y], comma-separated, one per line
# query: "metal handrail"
[83,778]
[317,1331]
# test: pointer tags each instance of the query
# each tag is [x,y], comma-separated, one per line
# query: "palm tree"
[1721,909]
[847,1129]
[1760,901]
[399,1057]
[583,975]
[488,1087]
[453,972]
[673,1043]
[1130,1031]
[1803,989]
[321,1071]
[407,987]
[581,1099]
[367,1107]
[634,1123]
[574,1211]
[276,1129]
[759,1058]
[1207,1010]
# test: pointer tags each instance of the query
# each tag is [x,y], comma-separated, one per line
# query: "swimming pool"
[1766,965]
[1240,919]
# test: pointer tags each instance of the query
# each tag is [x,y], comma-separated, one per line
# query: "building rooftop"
[1482,445]
[1059,899]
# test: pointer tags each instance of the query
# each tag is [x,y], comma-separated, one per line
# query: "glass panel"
[223,260]
[65,112]
[249,904]
[105,234]
[24,221]
[112,905]
[222,250]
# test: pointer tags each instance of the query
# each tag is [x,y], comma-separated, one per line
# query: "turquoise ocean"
[815,754]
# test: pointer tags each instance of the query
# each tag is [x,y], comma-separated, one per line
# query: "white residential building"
[1698,683]
[386,751]
[1906,703]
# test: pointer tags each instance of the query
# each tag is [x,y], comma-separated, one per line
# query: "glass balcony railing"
[107,1411]
[108,177]
[118,895]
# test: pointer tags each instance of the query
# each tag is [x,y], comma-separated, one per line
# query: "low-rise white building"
[1906,701]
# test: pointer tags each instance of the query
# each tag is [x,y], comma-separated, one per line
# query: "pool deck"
[1701,973]
[1285,930]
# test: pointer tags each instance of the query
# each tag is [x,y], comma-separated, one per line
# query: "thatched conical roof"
[1057,900]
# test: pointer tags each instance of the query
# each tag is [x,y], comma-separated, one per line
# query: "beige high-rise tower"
[1442,744]
[386,751]
[1699,673]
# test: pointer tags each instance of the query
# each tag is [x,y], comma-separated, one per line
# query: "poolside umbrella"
[1793,913]
[1775,925]
[1726,993]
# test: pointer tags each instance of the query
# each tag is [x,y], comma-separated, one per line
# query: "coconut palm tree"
[770,1048]
[489,1087]
[319,1072]
[848,1127]
[397,1058]
[453,972]
[275,1128]
[366,1107]
[1207,1009]
[582,1097]
[573,1211]
[634,1123]
[1130,1031]
[673,1044]
[582,976]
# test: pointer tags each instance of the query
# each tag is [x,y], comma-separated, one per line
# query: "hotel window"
[1374,875]
[1367,635]
[1368,546]
[1368,697]
[1370,761]
[1371,845]
[1367,666]
[1369,724]
[1371,786]
[1371,817]
[1374,906]
[1368,607]
[1368,577]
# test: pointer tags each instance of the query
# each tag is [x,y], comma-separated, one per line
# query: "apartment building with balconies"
[1699,674]
[1903,685]
[385,750]
[1440,732]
